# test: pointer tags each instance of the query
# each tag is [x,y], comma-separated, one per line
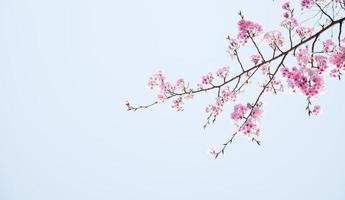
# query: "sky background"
[66,68]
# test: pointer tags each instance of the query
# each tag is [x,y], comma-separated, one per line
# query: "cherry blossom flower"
[286,6]
[304,32]
[177,104]
[256,59]
[289,23]
[256,113]
[223,72]
[247,29]
[249,128]
[316,110]
[207,79]
[322,63]
[328,45]
[234,45]
[214,110]
[303,56]
[161,97]
[308,81]
[305,4]
[274,39]
[264,69]
[338,58]
[156,80]
[335,73]
[180,84]
[238,112]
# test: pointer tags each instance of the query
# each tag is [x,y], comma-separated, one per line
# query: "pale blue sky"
[66,68]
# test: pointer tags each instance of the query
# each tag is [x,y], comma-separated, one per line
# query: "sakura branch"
[314,54]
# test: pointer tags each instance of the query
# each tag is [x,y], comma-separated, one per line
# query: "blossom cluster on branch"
[317,55]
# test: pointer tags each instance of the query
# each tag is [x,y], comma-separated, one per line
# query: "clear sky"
[67,66]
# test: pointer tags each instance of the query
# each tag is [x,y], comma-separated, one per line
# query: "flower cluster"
[249,128]
[225,96]
[177,104]
[254,114]
[248,29]
[321,63]
[286,6]
[303,56]
[289,21]
[223,72]
[239,112]
[316,110]
[256,59]
[158,81]
[307,80]
[304,32]
[167,89]
[207,79]
[274,38]
[305,4]
[328,45]
[338,58]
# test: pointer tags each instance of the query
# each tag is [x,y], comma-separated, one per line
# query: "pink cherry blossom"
[328,45]
[156,80]
[224,97]
[308,81]
[316,110]
[256,59]
[207,79]
[307,3]
[338,58]
[178,104]
[264,69]
[304,32]
[322,63]
[335,73]
[286,6]
[274,39]
[234,45]
[249,128]
[248,29]
[303,56]
[214,110]
[228,95]
[223,72]
[161,97]
[256,113]
[289,23]
[238,112]
[180,84]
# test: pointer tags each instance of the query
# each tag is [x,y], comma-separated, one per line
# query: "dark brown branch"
[325,13]
[256,46]
[339,35]
[239,61]
[312,50]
